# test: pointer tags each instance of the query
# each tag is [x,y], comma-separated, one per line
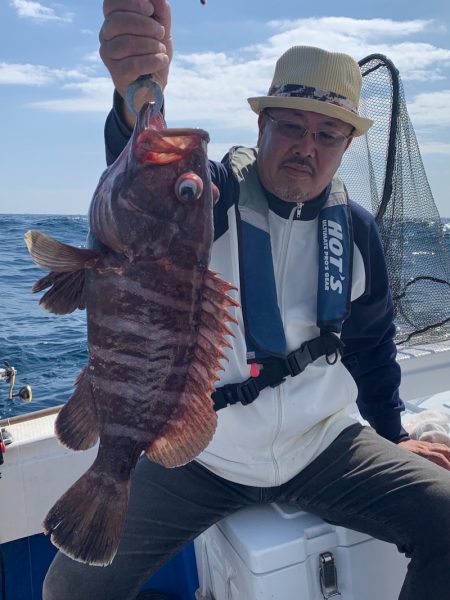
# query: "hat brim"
[361,124]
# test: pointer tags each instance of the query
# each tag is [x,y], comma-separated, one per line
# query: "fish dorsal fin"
[51,255]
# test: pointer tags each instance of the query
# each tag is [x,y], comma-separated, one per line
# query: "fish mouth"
[165,146]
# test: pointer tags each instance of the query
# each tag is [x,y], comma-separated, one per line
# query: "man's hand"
[437,453]
[136,39]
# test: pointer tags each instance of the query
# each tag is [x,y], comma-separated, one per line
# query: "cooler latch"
[328,576]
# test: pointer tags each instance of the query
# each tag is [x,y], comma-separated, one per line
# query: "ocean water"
[48,351]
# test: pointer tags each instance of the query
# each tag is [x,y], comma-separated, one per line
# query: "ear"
[262,121]
[349,141]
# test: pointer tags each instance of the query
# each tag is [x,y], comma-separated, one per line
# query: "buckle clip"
[298,360]
[247,391]
[337,350]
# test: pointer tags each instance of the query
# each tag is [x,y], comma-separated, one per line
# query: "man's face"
[298,169]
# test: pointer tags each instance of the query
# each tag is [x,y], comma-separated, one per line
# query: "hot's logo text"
[333,250]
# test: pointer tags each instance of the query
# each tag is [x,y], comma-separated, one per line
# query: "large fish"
[156,328]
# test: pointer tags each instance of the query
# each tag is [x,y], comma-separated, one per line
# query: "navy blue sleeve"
[368,335]
[117,133]
[220,175]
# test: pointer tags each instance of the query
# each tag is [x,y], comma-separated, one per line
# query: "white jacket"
[269,441]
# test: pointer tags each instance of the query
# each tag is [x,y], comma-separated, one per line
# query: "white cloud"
[34,75]
[92,57]
[30,9]
[210,89]
[94,95]
[360,28]
[359,38]
[431,109]
[427,148]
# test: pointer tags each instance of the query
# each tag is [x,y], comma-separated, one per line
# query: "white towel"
[429,426]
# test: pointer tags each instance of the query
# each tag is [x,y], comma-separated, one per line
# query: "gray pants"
[361,481]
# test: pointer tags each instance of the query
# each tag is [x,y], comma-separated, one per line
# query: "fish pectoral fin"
[187,433]
[52,255]
[76,425]
[66,292]
[67,272]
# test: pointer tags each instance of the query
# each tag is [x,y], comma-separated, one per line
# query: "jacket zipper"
[295,213]
[276,434]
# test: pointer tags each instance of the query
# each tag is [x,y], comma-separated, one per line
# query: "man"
[308,264]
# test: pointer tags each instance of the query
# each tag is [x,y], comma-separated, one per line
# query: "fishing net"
[384,171]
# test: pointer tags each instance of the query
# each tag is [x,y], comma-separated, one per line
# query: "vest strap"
[275,370]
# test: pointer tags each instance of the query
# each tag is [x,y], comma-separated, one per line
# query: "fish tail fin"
[66,278]
[77,425]
[87,521]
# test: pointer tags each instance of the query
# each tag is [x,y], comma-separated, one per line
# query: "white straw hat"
[312,79]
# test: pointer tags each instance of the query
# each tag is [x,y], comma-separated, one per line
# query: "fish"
[157,328]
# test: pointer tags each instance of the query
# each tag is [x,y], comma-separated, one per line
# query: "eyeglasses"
[295,131]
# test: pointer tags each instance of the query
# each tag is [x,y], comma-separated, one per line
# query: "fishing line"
[28,536]
[31,571]
[2,574]
[19,465]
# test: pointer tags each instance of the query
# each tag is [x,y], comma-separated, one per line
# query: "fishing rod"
[8,374]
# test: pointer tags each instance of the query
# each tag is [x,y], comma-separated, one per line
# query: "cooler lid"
[346,537]
[273,536]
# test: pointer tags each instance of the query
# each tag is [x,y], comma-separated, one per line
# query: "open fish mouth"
[165,146]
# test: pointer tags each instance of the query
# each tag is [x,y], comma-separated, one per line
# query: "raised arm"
[136,39]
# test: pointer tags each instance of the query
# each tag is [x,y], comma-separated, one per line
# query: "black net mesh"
[384,171]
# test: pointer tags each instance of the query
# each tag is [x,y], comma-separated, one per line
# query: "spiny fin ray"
[191,429]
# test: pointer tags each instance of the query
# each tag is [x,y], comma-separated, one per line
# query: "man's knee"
[49,589]
[67,579]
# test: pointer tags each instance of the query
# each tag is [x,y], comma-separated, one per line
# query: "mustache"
[298,160]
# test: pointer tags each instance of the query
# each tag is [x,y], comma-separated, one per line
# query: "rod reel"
[8,374]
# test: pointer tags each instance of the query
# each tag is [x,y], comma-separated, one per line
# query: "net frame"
[383,170]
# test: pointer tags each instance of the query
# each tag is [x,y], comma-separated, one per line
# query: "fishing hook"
[145,81]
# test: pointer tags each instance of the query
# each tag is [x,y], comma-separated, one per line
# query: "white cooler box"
[277,552]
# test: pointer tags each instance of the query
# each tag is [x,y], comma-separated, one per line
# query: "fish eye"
[188,186]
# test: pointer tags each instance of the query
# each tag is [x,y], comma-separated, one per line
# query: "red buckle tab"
[254,370]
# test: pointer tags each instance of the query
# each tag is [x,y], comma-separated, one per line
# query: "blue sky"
[55,92]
